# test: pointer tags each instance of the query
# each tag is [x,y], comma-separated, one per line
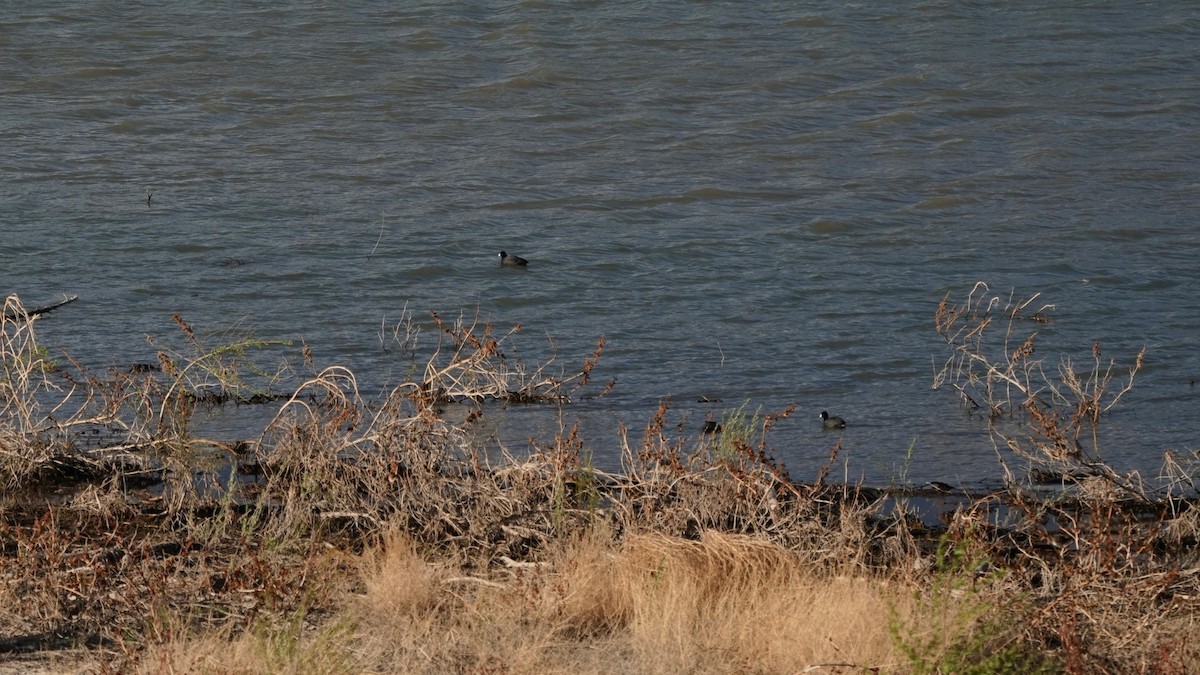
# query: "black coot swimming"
[512,260]
[828,422]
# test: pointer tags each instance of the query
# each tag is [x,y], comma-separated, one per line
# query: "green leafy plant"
[957,626]
[735,433]
[226,371]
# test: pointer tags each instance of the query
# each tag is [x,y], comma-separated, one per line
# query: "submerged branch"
[23,314]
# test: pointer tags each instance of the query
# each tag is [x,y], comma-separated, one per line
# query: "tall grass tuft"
[642,603]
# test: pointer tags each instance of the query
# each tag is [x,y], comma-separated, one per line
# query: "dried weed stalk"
[41,408]
[333,461]
[993,367]
[1104,561]
[65,420]
[470,363]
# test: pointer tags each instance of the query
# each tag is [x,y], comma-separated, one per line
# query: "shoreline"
[377,536]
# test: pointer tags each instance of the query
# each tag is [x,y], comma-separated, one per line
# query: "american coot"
[828,422]
[512,260]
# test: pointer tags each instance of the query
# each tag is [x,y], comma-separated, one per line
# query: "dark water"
[758,203]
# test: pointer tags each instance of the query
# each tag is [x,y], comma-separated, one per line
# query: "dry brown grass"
[650,604]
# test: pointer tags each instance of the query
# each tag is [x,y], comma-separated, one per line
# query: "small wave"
[97,72]
[195,248]
[944,202]
[522,82]
[888,119]
[572,202]
[807,22]
[988,112]
[1159,284]
[129,126]
[1129,234]
[828,226]
[710,194]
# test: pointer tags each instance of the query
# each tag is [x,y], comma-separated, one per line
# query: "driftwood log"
[29,314]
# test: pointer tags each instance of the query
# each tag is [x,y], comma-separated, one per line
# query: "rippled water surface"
[759,203]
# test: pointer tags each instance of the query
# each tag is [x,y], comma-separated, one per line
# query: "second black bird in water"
[512,260]
[828,422]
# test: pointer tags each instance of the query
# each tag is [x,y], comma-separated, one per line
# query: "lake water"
[761,203]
